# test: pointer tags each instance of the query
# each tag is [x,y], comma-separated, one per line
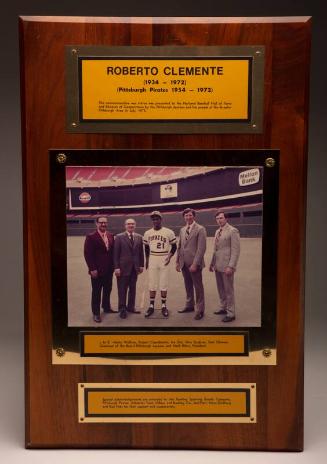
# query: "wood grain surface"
[51,391]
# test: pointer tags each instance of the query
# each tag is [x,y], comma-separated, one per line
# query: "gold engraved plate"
[153,89]
[165,89]
[167,402]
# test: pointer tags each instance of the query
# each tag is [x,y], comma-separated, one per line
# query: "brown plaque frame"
[51,391]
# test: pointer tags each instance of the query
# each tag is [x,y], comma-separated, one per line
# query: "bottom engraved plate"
[167,402]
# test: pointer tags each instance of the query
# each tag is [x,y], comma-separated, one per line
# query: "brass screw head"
[266,352]
[61,158]
[74,51]
[60,352]
[270,162]
[82,419]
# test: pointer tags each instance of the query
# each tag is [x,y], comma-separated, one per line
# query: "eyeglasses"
[101,222]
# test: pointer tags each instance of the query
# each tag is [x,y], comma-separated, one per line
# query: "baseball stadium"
[121,192]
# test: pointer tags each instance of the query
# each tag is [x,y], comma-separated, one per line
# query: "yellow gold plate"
[167,402]
[163,344]
[165,89]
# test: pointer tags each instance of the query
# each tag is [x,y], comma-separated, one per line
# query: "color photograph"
[164,246]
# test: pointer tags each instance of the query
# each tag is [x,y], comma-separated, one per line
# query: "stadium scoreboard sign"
[164,238]
[172,89]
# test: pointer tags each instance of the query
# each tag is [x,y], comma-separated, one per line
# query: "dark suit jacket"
[126,256]
[97,256]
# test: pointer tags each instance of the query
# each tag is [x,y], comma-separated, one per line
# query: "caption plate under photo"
[167,402]
[164,344]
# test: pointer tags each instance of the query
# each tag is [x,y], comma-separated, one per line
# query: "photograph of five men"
[196,266]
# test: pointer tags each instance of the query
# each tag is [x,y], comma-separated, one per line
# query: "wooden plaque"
[199,384]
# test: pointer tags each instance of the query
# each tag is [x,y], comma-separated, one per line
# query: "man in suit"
[190,260]
[129,262]
[224,261]
[98,254]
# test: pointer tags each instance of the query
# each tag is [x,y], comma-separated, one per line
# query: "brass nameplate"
[154,89]
[164,89]
[172,344]
[172,402]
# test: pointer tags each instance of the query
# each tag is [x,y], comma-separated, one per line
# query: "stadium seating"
[126,174]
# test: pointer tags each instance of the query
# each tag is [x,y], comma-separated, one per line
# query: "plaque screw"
[74,124]
[266,352]
[74,51]
[61,158]
[60,352]
[252,419]
[252,386]
[81,419]
[254,126]
[270,162]
[258,52]
[82,385]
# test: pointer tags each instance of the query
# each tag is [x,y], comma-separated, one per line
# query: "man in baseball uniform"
[224,261]
[160,246]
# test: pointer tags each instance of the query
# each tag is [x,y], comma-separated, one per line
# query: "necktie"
[218,236]
[105,239]
[131,239]
[188,232]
